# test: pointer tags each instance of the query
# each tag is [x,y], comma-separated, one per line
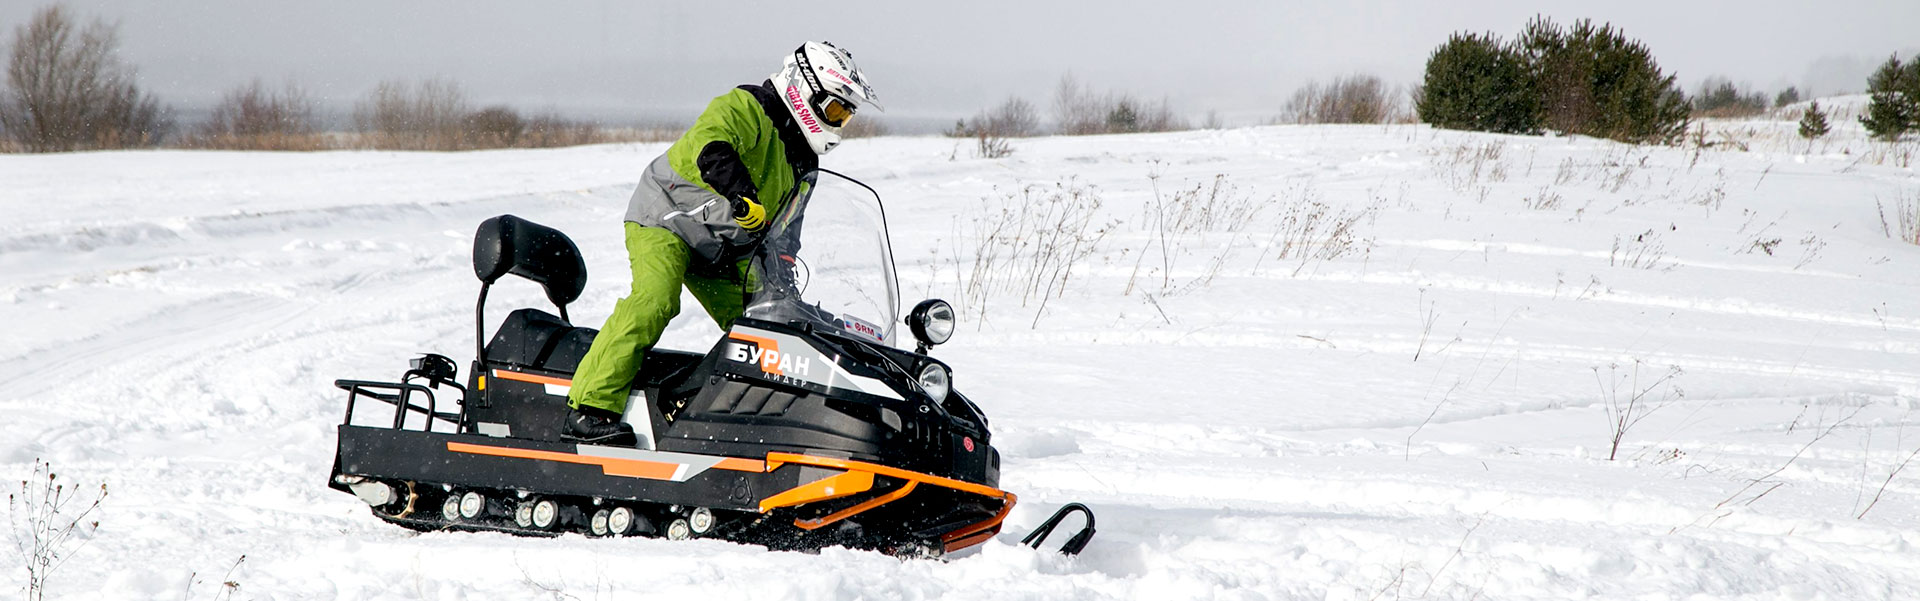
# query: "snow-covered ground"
[1419,409]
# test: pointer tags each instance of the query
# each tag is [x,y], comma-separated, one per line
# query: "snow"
[1246,426]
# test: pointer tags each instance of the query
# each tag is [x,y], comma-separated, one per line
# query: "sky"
[622,60]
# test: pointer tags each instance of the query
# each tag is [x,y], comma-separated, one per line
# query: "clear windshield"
[837,270]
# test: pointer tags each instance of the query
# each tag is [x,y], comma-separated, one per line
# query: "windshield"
[837,270]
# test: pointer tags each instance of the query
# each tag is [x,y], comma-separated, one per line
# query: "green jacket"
[745,145]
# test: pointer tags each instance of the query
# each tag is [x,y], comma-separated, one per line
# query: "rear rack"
[435,369]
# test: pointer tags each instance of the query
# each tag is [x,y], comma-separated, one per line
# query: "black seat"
[537,339]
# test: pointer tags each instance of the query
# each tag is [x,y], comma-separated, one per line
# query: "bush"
[493,127]
[1814,123]
[68,89]
[1895,106]
[399,116]
[1594,81]
[1080,111]
[1354,99]
[1720,98]
[1015,118]
[1474,82]
[252,118]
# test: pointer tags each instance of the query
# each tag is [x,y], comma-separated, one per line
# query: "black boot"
[597,426]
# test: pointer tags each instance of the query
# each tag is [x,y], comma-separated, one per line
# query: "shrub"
[1353,99]
[1895,106]
[251,118]
[1814,123]
[493,127]
[1719,97]
[399,116]
[990,129]
[1475,82]
[1594,81]
[1080,111]
[68,89]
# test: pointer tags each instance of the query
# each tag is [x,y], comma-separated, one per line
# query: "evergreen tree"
[1592,80]
[1814,123]
[1787,96]
[1474,82]
[1895,108]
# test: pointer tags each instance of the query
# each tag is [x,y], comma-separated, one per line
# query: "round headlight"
[932,322]
[935,381]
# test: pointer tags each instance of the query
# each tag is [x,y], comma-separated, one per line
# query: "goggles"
[834,110]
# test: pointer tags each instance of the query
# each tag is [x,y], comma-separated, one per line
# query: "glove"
[749,214]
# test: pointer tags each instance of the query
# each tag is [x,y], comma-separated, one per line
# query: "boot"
[597,426]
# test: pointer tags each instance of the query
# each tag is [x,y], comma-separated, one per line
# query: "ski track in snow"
[1254,429]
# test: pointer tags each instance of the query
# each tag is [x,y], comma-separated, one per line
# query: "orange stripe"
[534,378]
[857,509]
[741,465]
[775,459]
[612,466]
[831,487]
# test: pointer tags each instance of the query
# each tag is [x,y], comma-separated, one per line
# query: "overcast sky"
[622,59]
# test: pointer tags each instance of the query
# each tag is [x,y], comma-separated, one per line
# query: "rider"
[702,207]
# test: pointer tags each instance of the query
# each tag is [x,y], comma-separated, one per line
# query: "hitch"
[1075,543]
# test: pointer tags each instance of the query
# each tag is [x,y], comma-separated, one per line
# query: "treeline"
[67,89]
[1592,80]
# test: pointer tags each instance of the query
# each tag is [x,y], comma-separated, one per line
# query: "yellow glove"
[749,214]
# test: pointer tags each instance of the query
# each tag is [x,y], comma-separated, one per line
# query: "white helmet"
[823,89]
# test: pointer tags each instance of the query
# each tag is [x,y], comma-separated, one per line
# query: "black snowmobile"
[803,427]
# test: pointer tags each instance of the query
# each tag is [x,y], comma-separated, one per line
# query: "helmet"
[823,89]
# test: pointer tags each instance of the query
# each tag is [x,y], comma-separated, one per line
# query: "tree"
[1589,80]
[1474,82]
[1594,81]
[1895,105]
[68,89]
[1787,96]
[1813,124]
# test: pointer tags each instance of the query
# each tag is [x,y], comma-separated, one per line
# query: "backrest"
[508,244]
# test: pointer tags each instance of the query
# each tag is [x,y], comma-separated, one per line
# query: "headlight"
[935,381]
[932,322]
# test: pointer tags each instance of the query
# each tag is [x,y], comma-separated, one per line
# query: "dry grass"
[1030,243]
[1904,224]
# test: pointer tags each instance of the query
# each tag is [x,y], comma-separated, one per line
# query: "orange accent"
[960,538]
[767,345]
[831,487]
[741,465]
[774,460]
[612,466]
[967,536]
[534,378]
[857,509]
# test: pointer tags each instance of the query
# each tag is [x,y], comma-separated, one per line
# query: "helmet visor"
[834,111]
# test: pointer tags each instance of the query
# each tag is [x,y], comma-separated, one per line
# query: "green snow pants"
[659,260]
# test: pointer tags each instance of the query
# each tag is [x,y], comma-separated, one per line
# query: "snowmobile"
[802,427]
